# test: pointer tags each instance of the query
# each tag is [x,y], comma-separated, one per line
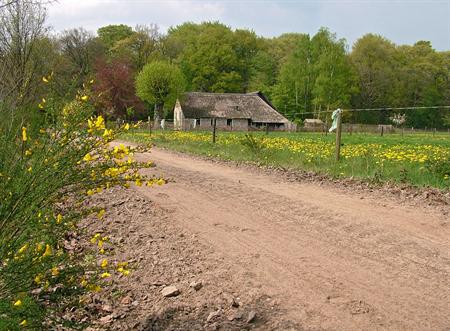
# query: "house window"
[197,121]
[229,122]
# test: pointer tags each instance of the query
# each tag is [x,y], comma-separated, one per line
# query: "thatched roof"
[254,106]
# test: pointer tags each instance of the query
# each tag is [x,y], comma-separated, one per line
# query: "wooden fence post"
[149,125]
[382,130]
[338,136]
[214,131]
[267,128]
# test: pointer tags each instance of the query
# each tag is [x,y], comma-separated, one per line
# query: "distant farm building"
[232,111]
[312,123]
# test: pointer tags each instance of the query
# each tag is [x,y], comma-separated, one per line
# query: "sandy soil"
[301,256]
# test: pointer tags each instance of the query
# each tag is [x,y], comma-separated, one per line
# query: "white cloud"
[400,21]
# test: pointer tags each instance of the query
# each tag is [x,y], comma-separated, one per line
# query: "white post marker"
[337,125]
[334,117]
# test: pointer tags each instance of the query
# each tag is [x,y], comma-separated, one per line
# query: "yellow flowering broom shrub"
[52,159]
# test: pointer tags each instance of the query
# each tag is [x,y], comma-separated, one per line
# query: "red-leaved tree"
[114,90]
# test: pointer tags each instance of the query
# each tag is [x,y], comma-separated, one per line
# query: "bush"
[51,162]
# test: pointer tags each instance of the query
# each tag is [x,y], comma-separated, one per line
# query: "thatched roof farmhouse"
[232,111]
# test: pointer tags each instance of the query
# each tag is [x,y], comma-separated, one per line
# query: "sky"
[403,22]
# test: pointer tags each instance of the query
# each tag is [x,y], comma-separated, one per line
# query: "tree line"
[304,76]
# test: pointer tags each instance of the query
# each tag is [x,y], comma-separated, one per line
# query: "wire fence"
[429,120]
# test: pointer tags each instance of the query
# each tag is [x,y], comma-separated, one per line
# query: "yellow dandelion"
[18,303]
[23,323]
[105,275]
[85,98]
[104,263]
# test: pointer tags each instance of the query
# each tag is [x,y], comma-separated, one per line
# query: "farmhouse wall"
[221,123]
[205,123]
[240,124]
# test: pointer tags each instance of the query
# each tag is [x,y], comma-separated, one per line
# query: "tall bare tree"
[77,45]
[22,25]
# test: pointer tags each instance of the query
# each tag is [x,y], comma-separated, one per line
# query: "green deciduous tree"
[111,34]
[159,83]
[212,56]
[140,47]
[400,76]
[334,80]
[375,62]
[316,76]
[292,93]
[209,61]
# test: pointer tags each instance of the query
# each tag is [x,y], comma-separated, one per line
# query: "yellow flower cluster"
[320,149]
[76,147]
[96,124]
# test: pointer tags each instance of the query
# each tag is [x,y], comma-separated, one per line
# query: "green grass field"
[417,159]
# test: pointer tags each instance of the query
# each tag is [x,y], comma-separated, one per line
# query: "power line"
[380,109]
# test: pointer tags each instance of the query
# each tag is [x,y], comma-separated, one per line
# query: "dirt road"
[333,259]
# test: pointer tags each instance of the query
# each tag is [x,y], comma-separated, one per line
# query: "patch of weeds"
[440,168]
[255,144]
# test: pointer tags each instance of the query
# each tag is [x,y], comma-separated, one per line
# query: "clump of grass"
[254,144]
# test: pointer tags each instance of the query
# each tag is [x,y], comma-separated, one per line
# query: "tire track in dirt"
[334,260]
